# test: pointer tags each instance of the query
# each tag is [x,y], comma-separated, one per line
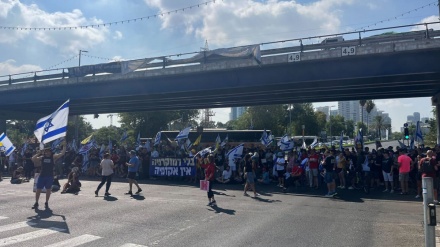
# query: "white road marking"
[29,236]
[16,226]
[133,245]
[86,238]
[3,217]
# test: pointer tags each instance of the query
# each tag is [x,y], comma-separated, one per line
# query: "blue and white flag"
[314,143]
[264,138]
[236,152]
[183,134]
[86,148]
[217,141]
[205,151]
[23,149]
[359,140]
[418,134]
[6,144]
[157,139]
[304,146]
[287,146]
[284,140]
[341,142]
[270,138]
[401,144]
[53,126]
[138,141]
[225,141]
[124,136]
[56,143]
[73,146]
[147,145]
[110,145]
[188,144]
[101,151]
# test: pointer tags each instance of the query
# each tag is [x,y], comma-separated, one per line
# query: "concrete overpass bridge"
[395,65]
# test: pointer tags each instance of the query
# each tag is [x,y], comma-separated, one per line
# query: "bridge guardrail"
[166,62]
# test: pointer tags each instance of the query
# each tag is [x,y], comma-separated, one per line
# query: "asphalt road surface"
[174,213]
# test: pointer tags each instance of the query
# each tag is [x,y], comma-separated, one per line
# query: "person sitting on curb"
[17,176]
[73,184]
[226,176]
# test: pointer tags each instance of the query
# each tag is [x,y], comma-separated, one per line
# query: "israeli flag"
[236,152]
[23,149]
[157,139]
[270,138]
[411,145]
[401,144]
[264,138]
[419,134]
[124,136]
[284,140]
[286,146]
[148,145]
[110,145]
[183,134]
[314,143]
[101,151]
[6,144]
[188,144]
[225,141]
[359,140]
[341,142]
[53,126]
[56,143]
[304,146]
[86,148]
[138,140]
[205,151]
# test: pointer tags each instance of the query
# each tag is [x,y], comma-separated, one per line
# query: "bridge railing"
[166,62]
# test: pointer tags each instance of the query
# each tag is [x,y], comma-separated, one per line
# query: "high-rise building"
[236,112]
[349,110]
[424,119]
[416,116]
[410,119]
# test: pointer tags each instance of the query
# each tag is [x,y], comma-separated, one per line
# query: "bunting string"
[107,24]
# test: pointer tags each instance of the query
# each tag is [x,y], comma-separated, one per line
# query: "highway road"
[174,213]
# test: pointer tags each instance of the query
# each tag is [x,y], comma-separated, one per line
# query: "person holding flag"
[46,158]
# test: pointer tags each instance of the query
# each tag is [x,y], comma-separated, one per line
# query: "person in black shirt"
[387,167]
[45,179]
[329,164]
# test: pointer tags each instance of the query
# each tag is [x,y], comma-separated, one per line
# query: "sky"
[171,27]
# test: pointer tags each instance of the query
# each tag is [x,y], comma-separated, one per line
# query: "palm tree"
[369,106]
[379,125]
[362,103]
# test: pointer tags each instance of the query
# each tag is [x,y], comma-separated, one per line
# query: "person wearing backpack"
[428,168]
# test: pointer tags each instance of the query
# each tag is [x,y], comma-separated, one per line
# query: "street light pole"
[77,116]
[330,122]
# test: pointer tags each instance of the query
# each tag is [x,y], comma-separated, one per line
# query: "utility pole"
[111,119]
[77,116]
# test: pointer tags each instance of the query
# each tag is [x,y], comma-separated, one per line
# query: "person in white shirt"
[107,167]
[226,176]
[280,166]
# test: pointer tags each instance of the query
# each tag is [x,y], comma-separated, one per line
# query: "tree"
[369,106]
[362,103]
[149,123]
[379,125]
[360,125]
[321,119]
[431,137]
[349,127]
[104,134]
[337,124]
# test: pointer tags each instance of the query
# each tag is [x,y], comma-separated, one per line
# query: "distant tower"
[111,119]
[206,117]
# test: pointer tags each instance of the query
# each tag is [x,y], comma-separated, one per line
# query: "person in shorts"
[387,165]
[46,159]
[404,162]
[133,166]
[329,164]
[313,163]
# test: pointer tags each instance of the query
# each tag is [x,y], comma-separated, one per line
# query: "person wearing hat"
[133,166]
[46,159]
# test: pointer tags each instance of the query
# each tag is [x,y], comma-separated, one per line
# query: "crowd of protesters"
[390,170]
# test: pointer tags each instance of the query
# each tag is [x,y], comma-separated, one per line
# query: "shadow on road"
[40,220]
[222,210]
[138,197]
[110,198]
[222,194]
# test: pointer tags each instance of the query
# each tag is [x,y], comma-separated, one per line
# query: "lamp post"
[79,60]
[330,122]
[77,116]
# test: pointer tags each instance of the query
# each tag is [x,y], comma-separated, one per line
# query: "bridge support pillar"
[2,125]
[436,102]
